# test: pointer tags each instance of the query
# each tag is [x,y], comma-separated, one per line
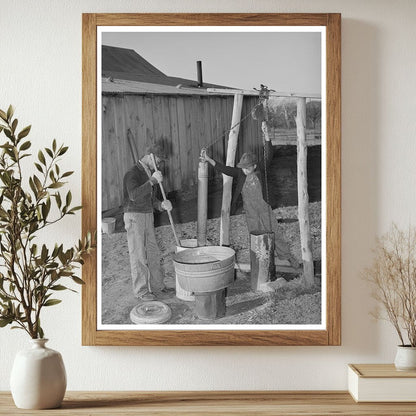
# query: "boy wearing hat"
[259,214]
[139,204]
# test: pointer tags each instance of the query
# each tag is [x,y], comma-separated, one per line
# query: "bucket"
[108,225]
[210,305]
[205,269]
[180,292]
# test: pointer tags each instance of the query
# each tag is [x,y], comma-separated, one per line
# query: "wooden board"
[209,403]
[380,371]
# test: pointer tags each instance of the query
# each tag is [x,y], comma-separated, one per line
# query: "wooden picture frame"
[331,335]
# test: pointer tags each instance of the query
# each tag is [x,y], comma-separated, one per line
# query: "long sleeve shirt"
[138,191]
[239,175]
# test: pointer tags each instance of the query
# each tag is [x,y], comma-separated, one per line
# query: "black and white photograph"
[210,165]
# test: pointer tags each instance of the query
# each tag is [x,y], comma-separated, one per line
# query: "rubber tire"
[151,312]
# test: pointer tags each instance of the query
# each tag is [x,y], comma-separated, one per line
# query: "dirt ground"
[287,302]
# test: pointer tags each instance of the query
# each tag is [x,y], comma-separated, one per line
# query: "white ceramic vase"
[405,358]
[38,377]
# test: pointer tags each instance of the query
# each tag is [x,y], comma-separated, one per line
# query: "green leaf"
[59,287]
[62,257]
[51,302]
[63,150]
[24,132]
[45,211]
[39,167]
[3,115]
[4,298]
[55,251]
[56,185]
[76,279]
[68,199]
[5,321]
[8,133]
[54,145]
[37,183]
[10,112]
[49,152]
[44,253]
[60,249]
[67,174]
[25,145]
[34,226]
[58,199]
[14,125]
[34,249]
[41,157]
[40,332]
[75,209]
[33,187]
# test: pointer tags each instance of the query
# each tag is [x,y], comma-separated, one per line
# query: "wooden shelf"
[178,403]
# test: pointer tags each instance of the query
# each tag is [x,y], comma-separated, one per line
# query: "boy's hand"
[157,175]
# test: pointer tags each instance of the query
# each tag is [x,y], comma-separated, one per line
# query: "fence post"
[303,196]
[228,180]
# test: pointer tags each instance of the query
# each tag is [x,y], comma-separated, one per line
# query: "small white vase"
[38,377]
[405,358]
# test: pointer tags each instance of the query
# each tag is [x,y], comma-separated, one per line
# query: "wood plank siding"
[184,124]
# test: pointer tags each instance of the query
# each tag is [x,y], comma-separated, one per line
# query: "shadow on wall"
[360,180]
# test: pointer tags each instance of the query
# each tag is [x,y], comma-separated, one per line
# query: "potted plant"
[393,277]
[31,273]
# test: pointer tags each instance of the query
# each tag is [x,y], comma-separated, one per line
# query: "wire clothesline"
[264,94]
[234,126]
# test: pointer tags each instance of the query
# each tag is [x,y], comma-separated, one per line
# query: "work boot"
[166,293]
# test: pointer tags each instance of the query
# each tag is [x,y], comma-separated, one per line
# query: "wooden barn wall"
[183,124]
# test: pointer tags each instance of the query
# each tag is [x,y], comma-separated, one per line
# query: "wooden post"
[262,259]
[228,180]
[303,197]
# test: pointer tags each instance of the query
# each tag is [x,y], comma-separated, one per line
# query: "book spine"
[353,381]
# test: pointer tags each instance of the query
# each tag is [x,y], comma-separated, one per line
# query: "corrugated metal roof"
[118,86]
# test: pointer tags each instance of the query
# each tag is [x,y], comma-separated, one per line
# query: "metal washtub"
[205,269]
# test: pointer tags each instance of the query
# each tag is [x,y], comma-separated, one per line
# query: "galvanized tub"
[180,292]
[205,269]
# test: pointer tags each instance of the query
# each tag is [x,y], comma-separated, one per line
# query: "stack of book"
[381,383]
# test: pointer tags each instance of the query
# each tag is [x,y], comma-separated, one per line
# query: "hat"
[157,149]
[247,160]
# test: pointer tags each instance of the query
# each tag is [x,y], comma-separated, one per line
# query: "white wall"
[40,73]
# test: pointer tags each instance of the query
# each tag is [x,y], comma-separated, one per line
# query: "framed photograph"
[211,172]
